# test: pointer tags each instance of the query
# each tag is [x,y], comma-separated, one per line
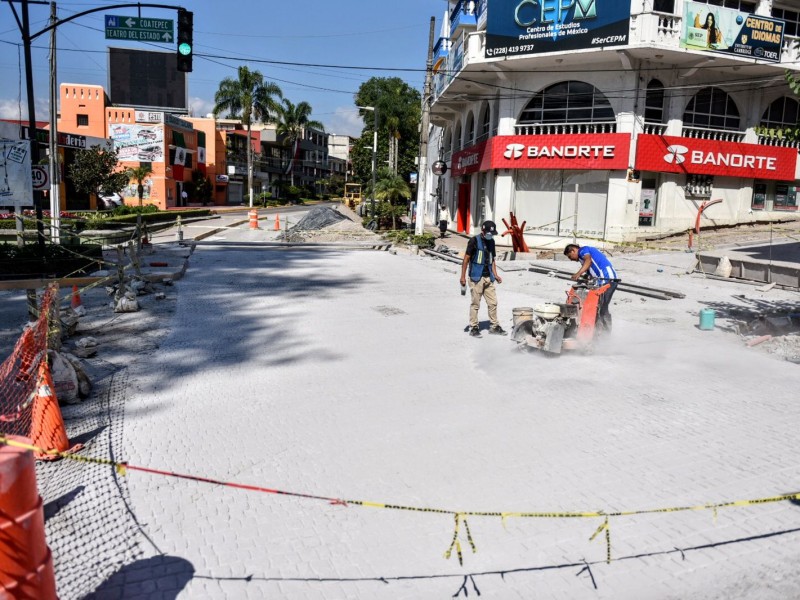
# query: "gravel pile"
[325,224]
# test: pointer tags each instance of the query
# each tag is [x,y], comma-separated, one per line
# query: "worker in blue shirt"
[597,263]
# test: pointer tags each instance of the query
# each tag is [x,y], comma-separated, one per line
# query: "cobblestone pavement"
[349,375]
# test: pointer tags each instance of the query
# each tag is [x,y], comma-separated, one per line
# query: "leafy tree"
[399,114]
[139,174]
[96,171]
[203,188]
[392,189]
[252,99]
[292,121]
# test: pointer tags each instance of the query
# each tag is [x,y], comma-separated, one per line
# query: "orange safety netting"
[19,372]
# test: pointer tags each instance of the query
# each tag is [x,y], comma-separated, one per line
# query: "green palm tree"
[292,121]
[392,188]
[252,99]
[139,174]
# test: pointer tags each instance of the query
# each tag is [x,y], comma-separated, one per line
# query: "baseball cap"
[489,227]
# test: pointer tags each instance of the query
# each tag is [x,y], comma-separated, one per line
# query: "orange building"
[170,145]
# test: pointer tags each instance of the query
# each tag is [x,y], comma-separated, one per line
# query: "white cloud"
[18,110]
[199,107]
[345,121]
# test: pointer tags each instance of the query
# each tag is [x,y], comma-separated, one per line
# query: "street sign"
[140,29]
[40,177]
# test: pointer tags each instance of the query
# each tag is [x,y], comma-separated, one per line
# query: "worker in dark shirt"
[479,259]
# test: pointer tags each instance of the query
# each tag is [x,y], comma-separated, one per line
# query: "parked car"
[109,202]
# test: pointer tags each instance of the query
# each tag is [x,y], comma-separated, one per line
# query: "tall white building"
[613,120]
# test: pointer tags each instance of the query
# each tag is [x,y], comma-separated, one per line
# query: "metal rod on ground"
[134,258]
[120,274]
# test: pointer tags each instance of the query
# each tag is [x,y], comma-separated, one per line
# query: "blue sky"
[380,34]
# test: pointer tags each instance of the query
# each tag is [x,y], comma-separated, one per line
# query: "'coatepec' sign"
[711,157]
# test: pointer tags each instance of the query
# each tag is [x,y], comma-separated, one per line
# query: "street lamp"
[374,150]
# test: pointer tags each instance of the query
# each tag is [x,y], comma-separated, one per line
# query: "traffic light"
[184,40]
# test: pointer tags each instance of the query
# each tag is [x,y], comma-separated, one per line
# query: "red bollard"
[26,564]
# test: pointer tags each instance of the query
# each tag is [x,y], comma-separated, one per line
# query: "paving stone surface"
[349,375]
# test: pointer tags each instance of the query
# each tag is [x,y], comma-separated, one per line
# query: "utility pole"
[55,171]
[422,192]
[37,196]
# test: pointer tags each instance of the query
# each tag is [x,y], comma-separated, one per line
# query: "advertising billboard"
[728,31]
[520,27]
[137,143]
[16,187]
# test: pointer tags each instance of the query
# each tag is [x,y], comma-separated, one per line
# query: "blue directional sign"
[140,29]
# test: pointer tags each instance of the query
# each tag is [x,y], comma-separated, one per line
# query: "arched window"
[568,102]
[654,102]
[712,108]
[485,127]
[457,138]
[783,112]
[447,142]
[469,130]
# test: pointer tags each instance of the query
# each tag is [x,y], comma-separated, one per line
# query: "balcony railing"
[565,128]
[654,128]
[707,133]
[781,142]
[464,14]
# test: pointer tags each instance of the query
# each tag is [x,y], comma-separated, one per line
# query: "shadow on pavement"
[164,576]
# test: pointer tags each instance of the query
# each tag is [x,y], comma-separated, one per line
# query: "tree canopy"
[399,113]
[252,99]
[96,171]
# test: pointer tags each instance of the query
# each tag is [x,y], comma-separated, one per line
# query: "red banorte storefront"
[569,151]
[665,154]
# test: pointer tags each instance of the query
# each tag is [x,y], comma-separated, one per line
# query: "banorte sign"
[571,151]
[711,157]
[590,151]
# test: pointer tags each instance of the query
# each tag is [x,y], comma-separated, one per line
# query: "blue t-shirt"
[601,267]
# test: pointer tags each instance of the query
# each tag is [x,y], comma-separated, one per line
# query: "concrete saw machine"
[553,327]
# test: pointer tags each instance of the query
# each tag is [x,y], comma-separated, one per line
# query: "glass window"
[712,107]
[486,123]
[783,112]
[568,102]
[83,120]
[654,102]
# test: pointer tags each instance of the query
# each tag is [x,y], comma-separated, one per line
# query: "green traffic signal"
[185,49]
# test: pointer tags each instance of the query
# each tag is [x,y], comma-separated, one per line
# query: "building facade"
[614,126]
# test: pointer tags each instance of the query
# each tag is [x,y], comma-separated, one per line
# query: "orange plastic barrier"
[26,564]
[253,219]
[18,372]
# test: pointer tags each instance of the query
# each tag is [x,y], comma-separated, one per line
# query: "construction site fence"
[18,372]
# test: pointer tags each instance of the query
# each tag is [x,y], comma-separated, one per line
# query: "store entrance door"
[464,192]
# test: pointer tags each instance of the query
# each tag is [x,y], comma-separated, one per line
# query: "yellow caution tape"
[459,516]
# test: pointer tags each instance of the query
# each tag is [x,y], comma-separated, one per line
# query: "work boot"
[497,330]
[474,332]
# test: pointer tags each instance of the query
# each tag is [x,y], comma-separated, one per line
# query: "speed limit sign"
[40,177]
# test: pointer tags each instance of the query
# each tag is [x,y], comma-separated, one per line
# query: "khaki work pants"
[484,287]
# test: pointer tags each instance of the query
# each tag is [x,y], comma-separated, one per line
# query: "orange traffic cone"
[76,297]
[47,427]
[277,222]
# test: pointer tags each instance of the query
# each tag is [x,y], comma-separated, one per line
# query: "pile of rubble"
[325,224]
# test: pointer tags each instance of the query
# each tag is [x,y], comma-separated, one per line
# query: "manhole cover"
[389,310]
